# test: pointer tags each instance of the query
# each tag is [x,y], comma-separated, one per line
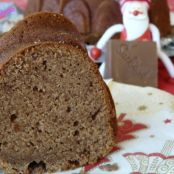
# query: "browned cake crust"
[38,27]
[56,111]
[92,17]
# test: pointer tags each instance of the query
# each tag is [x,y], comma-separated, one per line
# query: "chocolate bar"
[132,62]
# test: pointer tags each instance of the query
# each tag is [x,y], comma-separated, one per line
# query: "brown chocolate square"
[132,62]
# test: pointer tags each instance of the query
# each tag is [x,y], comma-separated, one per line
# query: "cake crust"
[36,28]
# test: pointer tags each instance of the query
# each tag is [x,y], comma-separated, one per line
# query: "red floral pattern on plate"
[126,127]
[149,155]
[156,163]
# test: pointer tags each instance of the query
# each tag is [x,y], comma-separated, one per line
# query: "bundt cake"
[56,113]
[93,17]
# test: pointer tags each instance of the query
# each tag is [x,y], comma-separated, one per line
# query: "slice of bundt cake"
[56,113]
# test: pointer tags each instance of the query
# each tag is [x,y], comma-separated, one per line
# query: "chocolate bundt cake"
[56,113]
[93,17]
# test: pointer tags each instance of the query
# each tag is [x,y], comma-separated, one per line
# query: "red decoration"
[136,13]
[95,53]
[167,121]
[125,127]
[149,155]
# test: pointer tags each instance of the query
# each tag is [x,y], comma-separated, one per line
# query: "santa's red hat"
[123,2]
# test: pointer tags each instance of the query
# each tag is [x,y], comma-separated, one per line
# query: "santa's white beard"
[135,27]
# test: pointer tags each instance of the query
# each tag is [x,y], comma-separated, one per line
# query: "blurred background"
[93,20]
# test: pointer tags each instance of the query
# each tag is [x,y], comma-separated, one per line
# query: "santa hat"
[123,2]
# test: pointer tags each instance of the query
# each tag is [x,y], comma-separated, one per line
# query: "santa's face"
[135,10]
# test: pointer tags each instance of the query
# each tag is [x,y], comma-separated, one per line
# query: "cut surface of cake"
[56,113]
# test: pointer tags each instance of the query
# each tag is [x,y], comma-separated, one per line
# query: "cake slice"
[56,113]
[36,28]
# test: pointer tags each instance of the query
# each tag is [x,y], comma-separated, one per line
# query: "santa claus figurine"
[136,27]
